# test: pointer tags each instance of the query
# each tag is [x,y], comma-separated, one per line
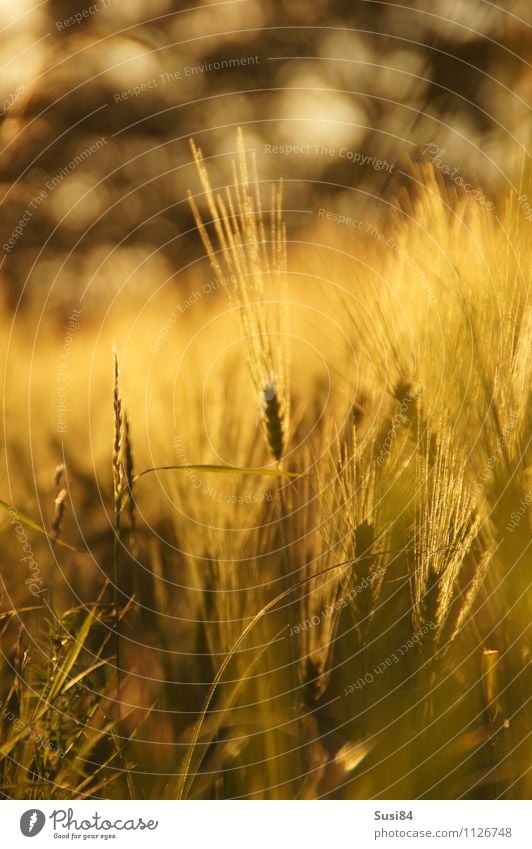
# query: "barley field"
[279,550]
[265,479]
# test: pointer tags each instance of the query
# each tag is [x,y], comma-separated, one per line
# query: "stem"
[116,545]
[51,580]
[296,700]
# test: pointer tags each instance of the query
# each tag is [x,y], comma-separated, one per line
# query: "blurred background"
[137,81]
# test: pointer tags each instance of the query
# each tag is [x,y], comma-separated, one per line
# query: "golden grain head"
[255,260]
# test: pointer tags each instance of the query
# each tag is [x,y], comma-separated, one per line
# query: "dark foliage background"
[378,78]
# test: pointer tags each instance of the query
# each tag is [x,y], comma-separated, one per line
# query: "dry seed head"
[58,475]
[448,525]
[255,260]
[60,503]
[273,420]
[128,467]
[344,518]
[118,472]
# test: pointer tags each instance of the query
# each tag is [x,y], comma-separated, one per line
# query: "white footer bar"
[268,825]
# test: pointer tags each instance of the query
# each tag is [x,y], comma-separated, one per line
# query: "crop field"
[265,502]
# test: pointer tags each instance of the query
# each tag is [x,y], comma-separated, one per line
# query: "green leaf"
[25,520]
[205,467]
[79,639]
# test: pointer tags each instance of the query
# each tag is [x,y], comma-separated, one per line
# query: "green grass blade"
[184,780]
[206,467]
[58,684]
[25,520]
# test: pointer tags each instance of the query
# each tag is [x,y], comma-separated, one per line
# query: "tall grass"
[334,609]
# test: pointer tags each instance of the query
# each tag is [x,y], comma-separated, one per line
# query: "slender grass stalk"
[118,486]
[492,689]
[129,481]
[185,779]
[55,530]
[255,261]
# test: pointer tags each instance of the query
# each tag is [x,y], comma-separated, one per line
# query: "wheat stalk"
[346,528]
[118,469]
[255,260]
[129,474]
[59,512]
[448,531]
[118,485]
[55,527]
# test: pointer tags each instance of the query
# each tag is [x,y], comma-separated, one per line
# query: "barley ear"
[58,475]
[118,485]
[274,422]
[118,471]
[60,503]
[129,474]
